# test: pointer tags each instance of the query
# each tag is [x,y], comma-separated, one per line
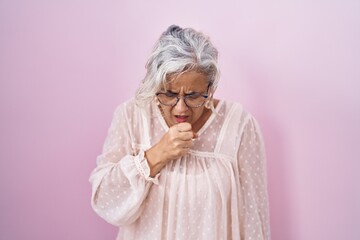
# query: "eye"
[194,95]
[170,94]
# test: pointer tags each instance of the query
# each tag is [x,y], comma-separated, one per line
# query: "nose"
[180,106]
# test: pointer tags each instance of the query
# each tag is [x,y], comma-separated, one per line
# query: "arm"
[252,170]
[121,181]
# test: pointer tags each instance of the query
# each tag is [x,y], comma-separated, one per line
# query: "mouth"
[180,119]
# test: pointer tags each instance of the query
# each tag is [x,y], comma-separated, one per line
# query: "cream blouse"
[217,191]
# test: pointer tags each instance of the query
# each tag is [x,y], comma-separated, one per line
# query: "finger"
[186,144]
[183,127]
[186,136]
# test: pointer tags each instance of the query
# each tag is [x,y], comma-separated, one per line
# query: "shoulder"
[231,108]
[237,115]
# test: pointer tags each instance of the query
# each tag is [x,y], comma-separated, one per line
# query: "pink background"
[65,65]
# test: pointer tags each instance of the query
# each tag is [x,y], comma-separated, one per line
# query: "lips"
[180,119]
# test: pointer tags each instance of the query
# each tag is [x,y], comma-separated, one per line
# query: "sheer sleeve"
[252,169]
[121,181]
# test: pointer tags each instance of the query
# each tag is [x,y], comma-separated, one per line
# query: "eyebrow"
[189,93]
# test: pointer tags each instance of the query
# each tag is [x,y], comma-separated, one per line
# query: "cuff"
[142,166]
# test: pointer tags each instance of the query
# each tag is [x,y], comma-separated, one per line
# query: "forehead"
[188,81]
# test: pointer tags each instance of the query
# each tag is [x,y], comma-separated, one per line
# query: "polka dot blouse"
[217,191]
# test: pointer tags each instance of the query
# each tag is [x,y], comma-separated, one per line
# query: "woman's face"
[184,85]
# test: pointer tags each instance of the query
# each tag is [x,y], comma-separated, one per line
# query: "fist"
[173,145]
[177,141]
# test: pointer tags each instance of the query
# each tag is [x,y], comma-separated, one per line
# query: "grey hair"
[177,51]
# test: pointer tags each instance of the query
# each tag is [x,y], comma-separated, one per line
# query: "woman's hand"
[173,145]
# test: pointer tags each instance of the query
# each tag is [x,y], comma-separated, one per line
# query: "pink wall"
[65,65]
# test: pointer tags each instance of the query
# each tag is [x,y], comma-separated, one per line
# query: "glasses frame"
[205,96]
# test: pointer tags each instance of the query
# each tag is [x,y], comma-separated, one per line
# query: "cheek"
[166,111]
[197,114]
[167,114]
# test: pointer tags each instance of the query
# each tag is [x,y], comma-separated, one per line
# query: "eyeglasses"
[191,100]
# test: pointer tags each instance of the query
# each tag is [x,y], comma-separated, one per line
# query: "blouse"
[216,191]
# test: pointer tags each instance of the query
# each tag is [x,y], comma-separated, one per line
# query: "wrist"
[155,161]
[143,167]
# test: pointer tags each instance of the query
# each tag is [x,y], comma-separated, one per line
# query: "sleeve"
[253,181]
[121,180]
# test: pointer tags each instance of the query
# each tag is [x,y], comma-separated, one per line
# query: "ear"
[156,100]
[211,94]
[208,101]
[209,104]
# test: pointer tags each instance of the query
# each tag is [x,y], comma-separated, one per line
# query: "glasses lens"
[167,99]
[195,100]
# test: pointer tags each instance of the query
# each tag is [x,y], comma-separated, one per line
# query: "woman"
[177,163]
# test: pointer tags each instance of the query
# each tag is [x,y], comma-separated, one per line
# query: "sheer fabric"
[217,191]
